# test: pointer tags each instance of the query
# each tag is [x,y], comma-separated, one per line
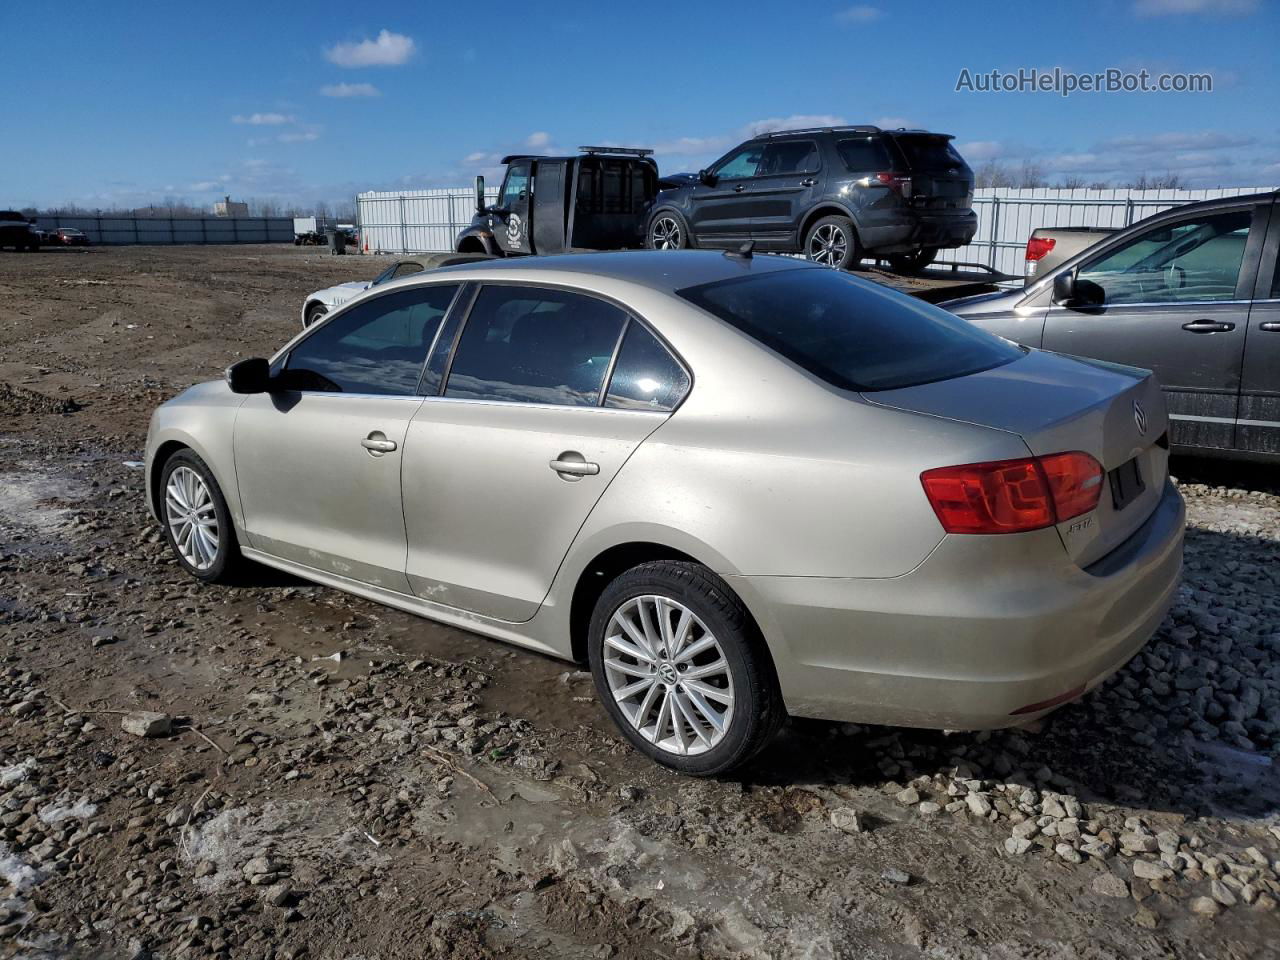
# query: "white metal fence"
[115,229]
[423,221]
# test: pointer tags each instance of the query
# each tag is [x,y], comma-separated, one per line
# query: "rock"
[1138,843]
[1222,893]
[978,805]
[281,895]
[1147,870]
[1052,808]
[206,868]
[909,796]
[143,723]
[1109,885]
[1016,846]
[894,875]
[1146,917]
[846,819]
[24,709]
[928,808]
[1026,829]
[1205,906]
[1068,853]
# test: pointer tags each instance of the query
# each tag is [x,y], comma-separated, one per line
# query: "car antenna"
[743,252]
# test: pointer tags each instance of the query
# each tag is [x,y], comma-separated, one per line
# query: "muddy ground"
[346,781]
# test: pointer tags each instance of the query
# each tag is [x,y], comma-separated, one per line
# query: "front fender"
[480,233]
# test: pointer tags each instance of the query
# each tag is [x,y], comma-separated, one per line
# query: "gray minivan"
[1193,294]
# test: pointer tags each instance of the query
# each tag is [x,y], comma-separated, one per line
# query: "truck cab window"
[517,183]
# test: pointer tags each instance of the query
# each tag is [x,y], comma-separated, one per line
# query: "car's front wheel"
[913,262]
[681,668]
[833,242]
[197,523]
[667,232]
[315,312]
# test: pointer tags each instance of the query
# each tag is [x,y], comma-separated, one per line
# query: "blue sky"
[122,103]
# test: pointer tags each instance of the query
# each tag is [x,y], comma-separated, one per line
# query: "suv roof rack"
[856,128]
[624,151]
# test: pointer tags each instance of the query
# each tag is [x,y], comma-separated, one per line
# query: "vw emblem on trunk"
[1139,417]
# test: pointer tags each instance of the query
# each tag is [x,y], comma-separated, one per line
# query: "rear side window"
[789,156]
[925,152]
[534,345]
[864,155]
[646,376]
[854,334]
[376,347]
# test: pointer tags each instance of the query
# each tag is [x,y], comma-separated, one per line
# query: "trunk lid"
[940,179]
[1058,404]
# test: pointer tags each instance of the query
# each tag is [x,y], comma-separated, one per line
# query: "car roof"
[664,270]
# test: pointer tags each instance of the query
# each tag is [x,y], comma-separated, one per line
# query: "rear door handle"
[808,182]
[1271,326]
[739,188]
[1208,326]
[574,468]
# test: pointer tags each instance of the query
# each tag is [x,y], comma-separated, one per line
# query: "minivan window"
[535,345]
[928,151]
[864,155]
[854,334]
[377,346]
[645,376]
[789,156]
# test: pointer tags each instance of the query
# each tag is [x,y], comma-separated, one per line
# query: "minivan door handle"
[1208,326]
[1271,326]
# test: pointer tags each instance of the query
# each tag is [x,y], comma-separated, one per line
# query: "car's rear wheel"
[681,668]
[315,312]
[667,232]
[833,242]
[197,523]
[914,261]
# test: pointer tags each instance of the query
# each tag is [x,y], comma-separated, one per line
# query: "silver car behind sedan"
[740,487]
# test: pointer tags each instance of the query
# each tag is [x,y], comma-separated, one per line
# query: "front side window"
[864,155]
[1195,261]
[789,156]
[854,334]
[374,347]
[645,376]
[743,163]
[534,345]
[516,187]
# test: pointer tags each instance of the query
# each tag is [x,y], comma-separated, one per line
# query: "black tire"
[912,262]
[667,231]
[833,242]
[227,562]
[315,312]
[758,712]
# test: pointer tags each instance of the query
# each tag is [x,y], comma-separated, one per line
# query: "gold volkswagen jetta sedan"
[740,487]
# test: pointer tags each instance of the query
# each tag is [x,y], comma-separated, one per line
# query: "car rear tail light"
[1013,496]
[898,184]
[1037,249]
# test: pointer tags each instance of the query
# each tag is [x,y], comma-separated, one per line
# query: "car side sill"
[450,616]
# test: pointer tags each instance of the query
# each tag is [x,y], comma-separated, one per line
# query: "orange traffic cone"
[366,244]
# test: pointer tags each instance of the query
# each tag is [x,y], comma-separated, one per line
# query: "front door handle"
[573,469]
[739,188]
[1208,326]
[808,182]
[377,443]
[1271,326]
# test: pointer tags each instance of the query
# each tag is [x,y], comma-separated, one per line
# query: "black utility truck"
[596,200]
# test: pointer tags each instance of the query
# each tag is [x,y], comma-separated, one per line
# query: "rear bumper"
[960,644]
[920,229]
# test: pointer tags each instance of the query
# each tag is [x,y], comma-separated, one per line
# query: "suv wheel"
[833,242]
[667,232]
[197,523]
[914,261]
[681,669]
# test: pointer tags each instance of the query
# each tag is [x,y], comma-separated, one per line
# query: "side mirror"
[1064,288]
[707,177]
[480,207]
[1070,291]
[249,376]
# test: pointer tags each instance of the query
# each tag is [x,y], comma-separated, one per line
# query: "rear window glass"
[854,334]
[924,152]
[864,155]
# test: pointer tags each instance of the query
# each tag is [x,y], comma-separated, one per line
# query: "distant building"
[226,207]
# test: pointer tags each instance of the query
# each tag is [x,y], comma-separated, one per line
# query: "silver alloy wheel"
[667,234]
[828,245]
[192,519]
[668,675]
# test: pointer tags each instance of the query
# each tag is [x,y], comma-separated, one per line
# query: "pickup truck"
[1049,246]
[17,231]
[1192,294]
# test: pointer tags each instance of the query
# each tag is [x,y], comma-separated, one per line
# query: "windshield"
[925,152]
[852,333]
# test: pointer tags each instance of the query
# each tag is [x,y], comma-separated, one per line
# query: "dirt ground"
[345,781]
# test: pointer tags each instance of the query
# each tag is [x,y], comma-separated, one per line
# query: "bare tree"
[1100,185]
[1032,175]
[1072,182]
[993,173]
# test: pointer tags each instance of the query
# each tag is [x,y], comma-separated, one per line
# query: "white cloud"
[893,123]
[388,50]
[797,121]
[981,150]
[860,14]
[350,90]
[1174,8]
[302,136]
[691,146]
[1181,140]
[537,140]
[263,119]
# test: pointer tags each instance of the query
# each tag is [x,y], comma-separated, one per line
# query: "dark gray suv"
[835,194]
